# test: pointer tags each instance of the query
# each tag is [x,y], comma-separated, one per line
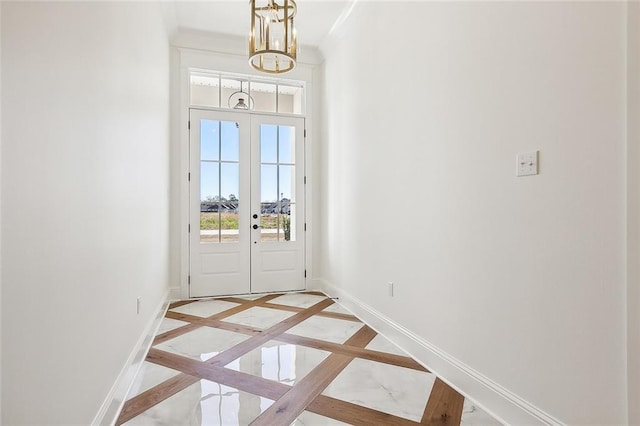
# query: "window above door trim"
[219,90]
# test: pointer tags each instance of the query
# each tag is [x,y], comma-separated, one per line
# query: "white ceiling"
[313,22]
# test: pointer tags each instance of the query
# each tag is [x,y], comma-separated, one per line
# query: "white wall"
[85,172]
[522,279]
[633,219]
[0,208]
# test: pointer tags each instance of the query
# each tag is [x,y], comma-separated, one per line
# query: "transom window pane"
[289,99]
[229,87]
[216,90]
[205,90]
[264,96]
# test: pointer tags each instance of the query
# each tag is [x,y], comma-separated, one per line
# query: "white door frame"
[183,61]
[258,280]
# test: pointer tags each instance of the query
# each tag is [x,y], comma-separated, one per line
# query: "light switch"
[527,164]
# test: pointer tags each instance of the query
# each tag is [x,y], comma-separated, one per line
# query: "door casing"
[267,279]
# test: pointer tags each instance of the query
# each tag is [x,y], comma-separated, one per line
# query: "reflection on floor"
[284,359]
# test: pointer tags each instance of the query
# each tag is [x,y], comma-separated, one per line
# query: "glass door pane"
[219,181]
[277,182]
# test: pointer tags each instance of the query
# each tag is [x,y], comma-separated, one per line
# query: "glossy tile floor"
[284,359]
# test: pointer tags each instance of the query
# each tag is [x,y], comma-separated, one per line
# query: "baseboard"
[175,293]
[110,409]
[496,400]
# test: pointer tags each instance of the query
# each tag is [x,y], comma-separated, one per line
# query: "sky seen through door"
[220,166]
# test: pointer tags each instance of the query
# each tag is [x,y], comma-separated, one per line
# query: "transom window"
[232,91]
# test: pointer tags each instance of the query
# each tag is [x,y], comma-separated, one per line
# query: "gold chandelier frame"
[273,42]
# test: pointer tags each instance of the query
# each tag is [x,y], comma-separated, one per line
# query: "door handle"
[255,227]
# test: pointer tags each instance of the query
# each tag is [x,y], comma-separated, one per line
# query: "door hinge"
[305,180]
[305,273]
[189,125]
[305,227]
[189,280]
[305,133]
[189,227]
[189,177]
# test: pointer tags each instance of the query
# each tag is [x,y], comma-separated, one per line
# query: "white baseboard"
[175,293]
[496,400]
[113,403]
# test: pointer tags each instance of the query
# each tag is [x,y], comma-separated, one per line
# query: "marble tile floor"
[284,359]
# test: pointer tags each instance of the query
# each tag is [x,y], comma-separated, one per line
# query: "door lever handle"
[255,227]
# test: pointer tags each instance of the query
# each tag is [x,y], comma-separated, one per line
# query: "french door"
[246,203]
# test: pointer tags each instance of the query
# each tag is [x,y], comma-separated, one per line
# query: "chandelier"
[273,43]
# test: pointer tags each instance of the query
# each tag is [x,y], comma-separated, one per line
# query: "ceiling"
[313,22]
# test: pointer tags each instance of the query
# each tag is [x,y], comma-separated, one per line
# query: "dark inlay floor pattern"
[284,359]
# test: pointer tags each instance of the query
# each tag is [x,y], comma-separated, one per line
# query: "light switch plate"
[527,164]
